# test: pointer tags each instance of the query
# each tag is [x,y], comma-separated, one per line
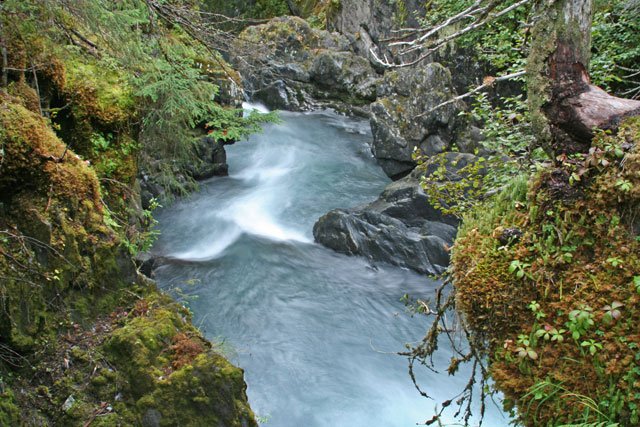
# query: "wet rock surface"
[292,66]
[401,227]
[399,123]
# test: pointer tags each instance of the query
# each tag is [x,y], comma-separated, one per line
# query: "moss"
[113,95]
[198,389]
[578,252]
[9,411]
[72,307]
[166,367]
[27,95]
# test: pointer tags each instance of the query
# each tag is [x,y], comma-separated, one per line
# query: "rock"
[213,158]
[68,404]
[400,227]
[367,22]
[287,64]
[344,72]
[397,121]
[509,236]
[144,261]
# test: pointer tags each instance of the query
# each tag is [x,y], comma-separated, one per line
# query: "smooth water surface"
[315,331]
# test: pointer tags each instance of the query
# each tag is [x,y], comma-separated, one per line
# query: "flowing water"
[315,331]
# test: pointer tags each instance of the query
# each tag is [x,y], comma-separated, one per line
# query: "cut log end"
[576,119]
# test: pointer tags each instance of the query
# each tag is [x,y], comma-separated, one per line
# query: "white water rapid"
[315,331]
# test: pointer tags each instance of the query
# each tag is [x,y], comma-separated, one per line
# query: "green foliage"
[507,152]
[580,320]
[452,195]
[258,9]
[175,93]
[548,389]
[503,41]
[615,61]
[518,268]
[269,9]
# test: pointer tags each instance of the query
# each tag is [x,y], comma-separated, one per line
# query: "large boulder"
[366,23]
[401,227]
[286,64]
[399,123]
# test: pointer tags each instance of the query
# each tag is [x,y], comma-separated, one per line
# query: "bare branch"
[467,13]
[489,82]
[420,44]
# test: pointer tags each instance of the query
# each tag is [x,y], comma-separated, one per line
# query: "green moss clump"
[556,306]
[184,383]
[9,411]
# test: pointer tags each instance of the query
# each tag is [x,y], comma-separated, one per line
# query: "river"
[315,331]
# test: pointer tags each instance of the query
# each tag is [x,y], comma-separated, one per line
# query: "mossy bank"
[85,339]
[548,279]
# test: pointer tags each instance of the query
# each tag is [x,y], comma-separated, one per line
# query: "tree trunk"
[565,107]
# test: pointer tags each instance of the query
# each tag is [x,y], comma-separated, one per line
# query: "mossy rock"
[63,243]
[183,383]
[210,391]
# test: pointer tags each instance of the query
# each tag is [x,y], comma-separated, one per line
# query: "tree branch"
[419,45]
[489,81]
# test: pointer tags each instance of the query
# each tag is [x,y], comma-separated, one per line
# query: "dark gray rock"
[286,64]
[400,227]
[367,22]
[212,156]
[399,123]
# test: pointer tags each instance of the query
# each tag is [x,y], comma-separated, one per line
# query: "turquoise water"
[315,331]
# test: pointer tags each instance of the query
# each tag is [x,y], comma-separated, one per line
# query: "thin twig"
[490,83]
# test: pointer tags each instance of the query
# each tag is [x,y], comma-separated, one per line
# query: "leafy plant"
[526,349]
[624,185]
[580,320]
[611,311]
[535,308]
[518,268]
[615,260]
[591,345]
[550,333]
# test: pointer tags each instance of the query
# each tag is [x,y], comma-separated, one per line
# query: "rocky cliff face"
[366,23]
[290,65]
[399,119]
